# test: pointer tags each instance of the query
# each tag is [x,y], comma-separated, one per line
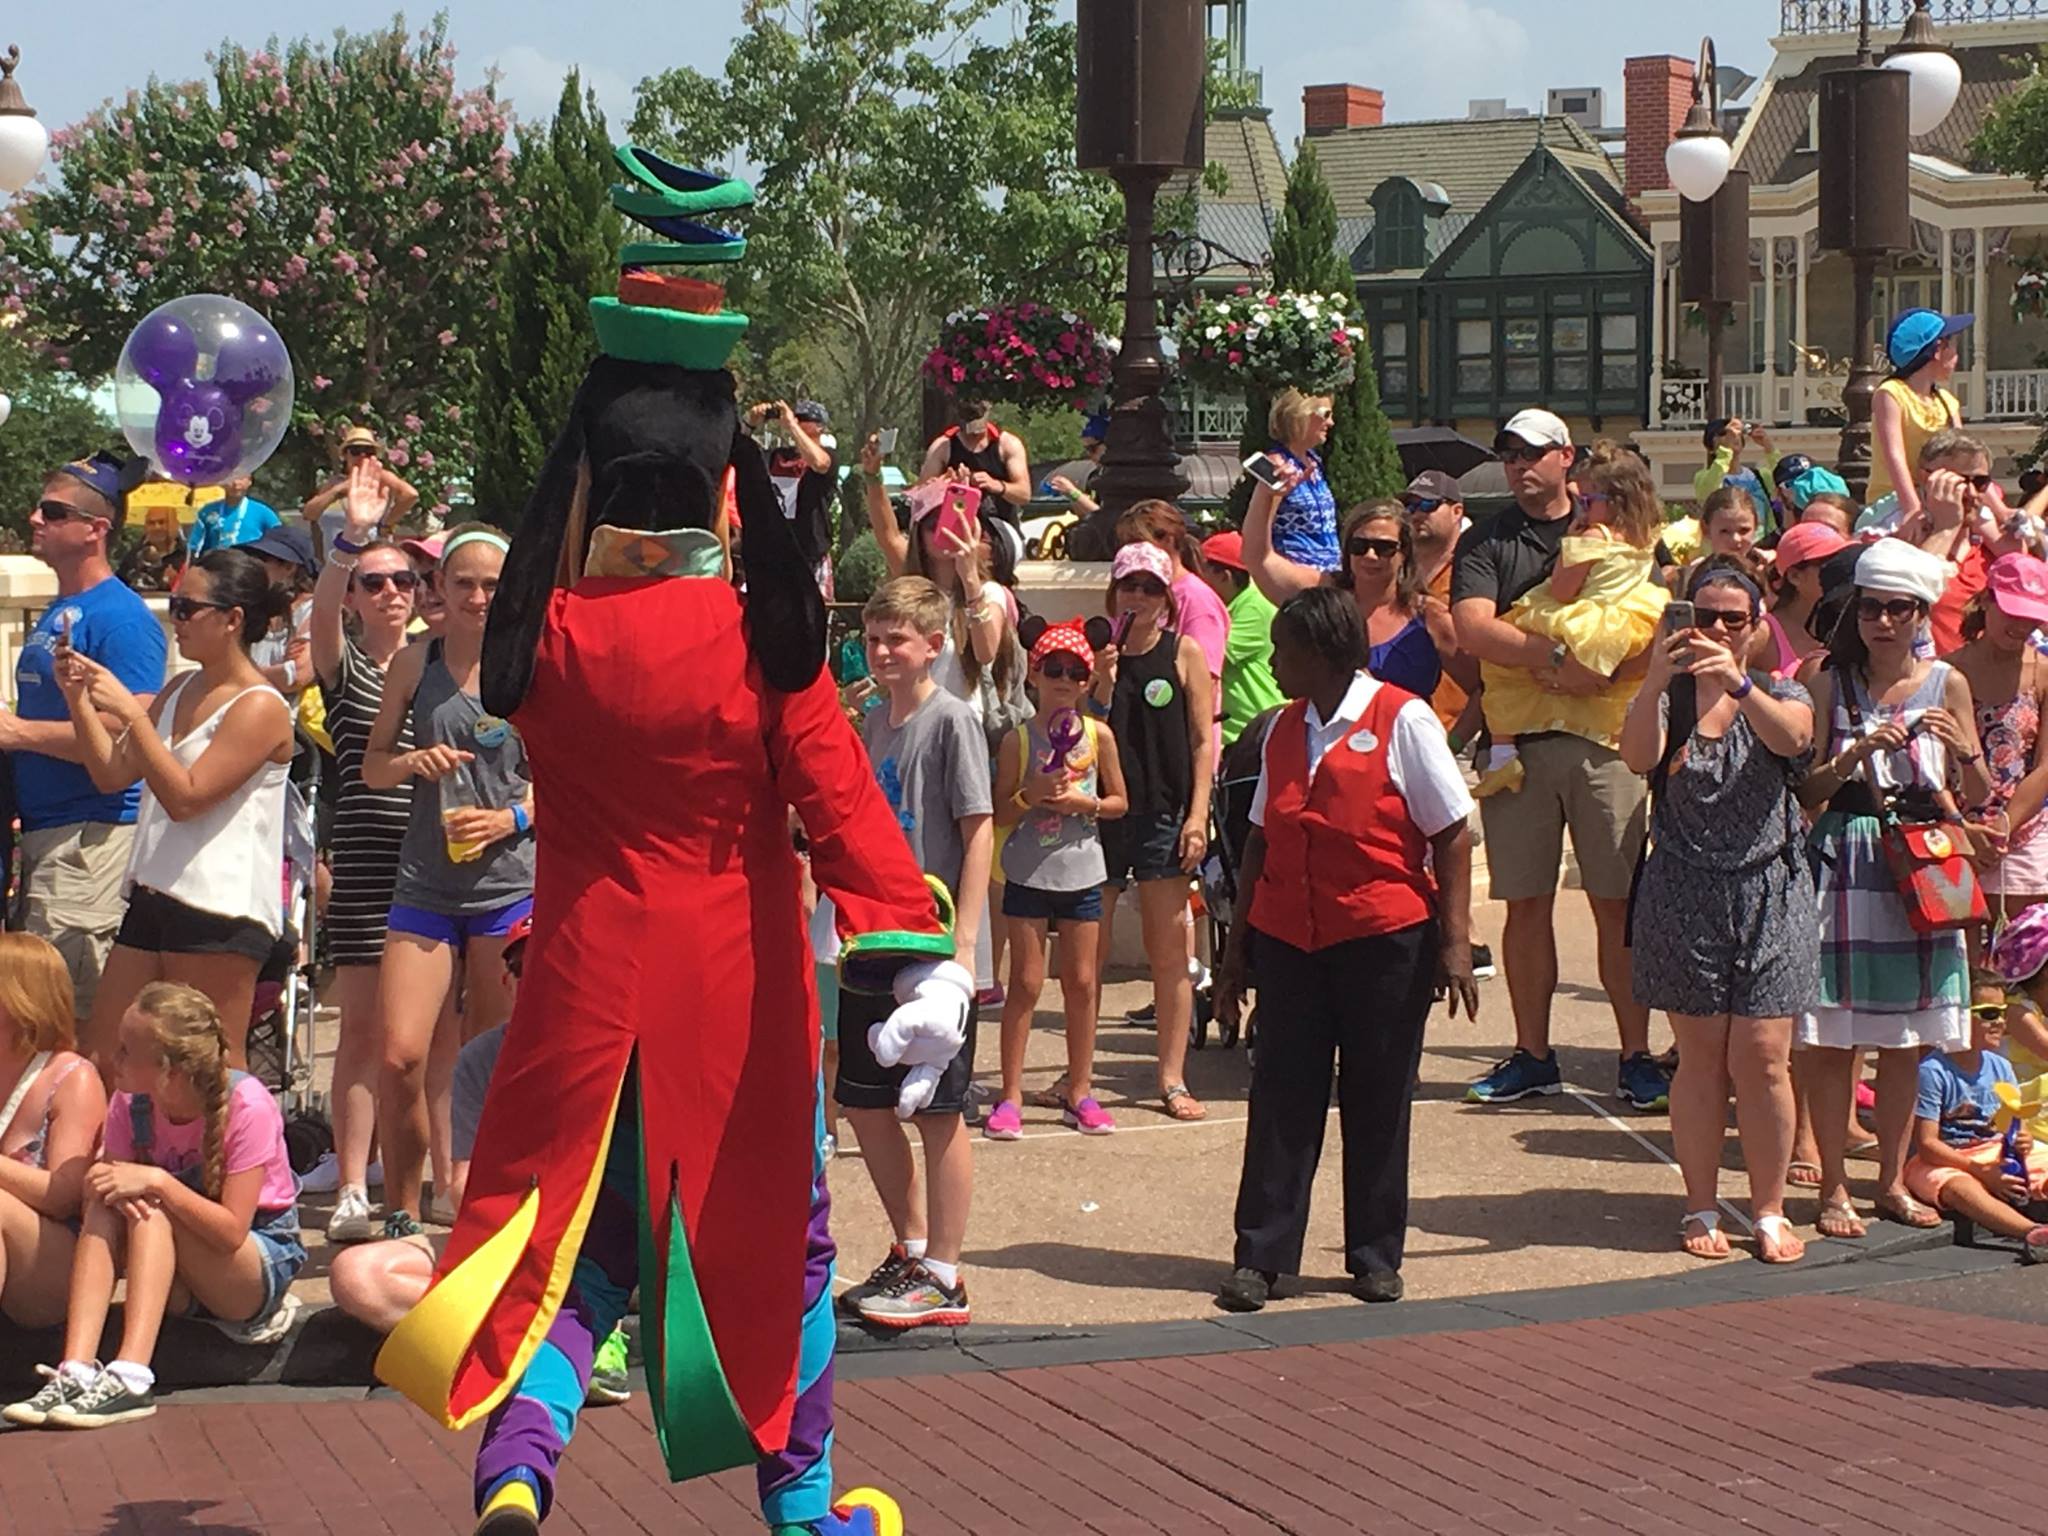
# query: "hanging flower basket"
[1026,355]
[1268,341]
[2030,289]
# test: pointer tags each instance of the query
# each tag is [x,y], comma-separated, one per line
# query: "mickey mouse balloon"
[204,389]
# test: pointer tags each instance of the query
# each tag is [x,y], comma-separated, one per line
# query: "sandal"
[1054,1097]
[1867,1148]
[1839,1219]
[1710,1234]
[1907,1211]
[1182,1105]
[1781,1238]
[1803,1175]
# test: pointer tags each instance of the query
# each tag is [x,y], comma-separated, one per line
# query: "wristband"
[1748,686]
[521,822]
[291,674]
[346,547]
[1019,801]
[341,561]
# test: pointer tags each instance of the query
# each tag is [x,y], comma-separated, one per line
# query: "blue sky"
[1429,56]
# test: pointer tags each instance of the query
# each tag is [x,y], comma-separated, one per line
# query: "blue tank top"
[1408,660]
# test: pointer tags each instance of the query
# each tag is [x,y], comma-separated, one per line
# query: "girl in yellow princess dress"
[1601,602]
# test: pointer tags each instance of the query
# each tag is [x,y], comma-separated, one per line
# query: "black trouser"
[1359,1006]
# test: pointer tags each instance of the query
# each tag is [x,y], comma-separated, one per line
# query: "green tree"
[914,157]
[568,251]
[50,422]
[345,189]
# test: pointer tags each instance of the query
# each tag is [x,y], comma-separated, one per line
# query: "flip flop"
[1844,1217]
[1907,1211]
[1710,1228]
[1182,1105]
[1779,1231]
[1054,1097]
[1803,1175]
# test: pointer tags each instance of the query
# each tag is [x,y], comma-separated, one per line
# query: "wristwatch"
[1558,651]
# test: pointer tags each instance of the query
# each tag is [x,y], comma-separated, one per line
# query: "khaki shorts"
[1567,781]
[71,895]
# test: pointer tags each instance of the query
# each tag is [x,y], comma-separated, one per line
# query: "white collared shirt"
[1418,758]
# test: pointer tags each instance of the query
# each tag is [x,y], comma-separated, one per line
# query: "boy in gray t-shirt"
[932,761]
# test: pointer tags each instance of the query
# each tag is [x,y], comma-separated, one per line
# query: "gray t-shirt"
[933,769]
[473,1069]
[1049,850]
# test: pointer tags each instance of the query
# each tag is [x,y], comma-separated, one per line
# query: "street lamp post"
[1139,118]
[1713,218]
[23,140]
[1869,115]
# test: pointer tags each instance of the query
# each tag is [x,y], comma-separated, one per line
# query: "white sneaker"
[324,1177]
[350,1222]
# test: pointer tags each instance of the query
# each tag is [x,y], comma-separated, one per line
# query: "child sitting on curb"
[1955,1164]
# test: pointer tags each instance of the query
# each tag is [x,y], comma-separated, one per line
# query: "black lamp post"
[1139,119]
[1713,218]
[1868,117]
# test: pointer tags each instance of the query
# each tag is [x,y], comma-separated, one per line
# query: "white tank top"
[229,860]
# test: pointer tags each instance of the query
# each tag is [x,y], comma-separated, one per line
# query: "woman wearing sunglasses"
[1898,729]
[367,585]
[1298,507]
[205,898]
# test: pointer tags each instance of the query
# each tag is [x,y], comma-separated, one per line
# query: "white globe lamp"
[6,409]
[1936,75]
[23,141]
[1698,164]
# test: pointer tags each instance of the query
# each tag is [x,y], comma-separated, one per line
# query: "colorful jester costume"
[653,1119]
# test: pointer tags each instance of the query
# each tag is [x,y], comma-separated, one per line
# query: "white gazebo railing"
[1683,402]
[2010,394]
[1214,418]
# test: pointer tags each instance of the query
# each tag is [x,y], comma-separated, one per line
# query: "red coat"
[667,917]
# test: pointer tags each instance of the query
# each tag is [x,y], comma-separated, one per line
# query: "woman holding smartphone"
[1291,492]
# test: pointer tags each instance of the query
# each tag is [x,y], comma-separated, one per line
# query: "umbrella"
[1441,448]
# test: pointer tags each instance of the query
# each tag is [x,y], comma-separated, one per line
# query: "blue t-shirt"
[217,528]
[1305,522]
[115,628]
[1961,1106]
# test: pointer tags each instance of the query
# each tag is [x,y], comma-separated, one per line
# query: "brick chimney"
[1327,108]
[1659,94]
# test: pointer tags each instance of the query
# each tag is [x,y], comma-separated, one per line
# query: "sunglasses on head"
[183,608]
[1359,544]
[1898,609]
[1062,664]
[373,581]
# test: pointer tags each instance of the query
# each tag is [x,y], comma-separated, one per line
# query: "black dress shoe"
[1247,1290]
[1383,1285]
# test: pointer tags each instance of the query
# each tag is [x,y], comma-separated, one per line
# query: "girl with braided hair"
[192,1201]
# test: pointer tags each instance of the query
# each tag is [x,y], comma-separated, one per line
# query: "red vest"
[1344,859]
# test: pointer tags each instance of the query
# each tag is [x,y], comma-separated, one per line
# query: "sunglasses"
[1422,506]
[1898,609]
[1144,586]
[1359,544]
[1526,454]
[1321,413]
[58,512]
[361,452]
[1988,1012]
[1980,483]
[1071,668]
[183,608]
[1720,618]
[373,581]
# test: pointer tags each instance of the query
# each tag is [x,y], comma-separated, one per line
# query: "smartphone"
[1678,614]
[885,440]
[1122,632]
[1261,468]
[960,517]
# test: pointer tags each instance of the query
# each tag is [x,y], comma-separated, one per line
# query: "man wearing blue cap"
[75,840]
[1914,403]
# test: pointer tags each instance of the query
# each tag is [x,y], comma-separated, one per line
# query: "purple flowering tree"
[346,189]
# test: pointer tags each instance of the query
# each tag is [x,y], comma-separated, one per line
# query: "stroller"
[281,1043]
[1231,813]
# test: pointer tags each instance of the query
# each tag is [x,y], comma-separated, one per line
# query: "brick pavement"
[1799,1414]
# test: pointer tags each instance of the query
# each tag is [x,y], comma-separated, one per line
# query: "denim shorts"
[1143,847]
[157,924]
[456,929]
[1032,905]
[284,1255]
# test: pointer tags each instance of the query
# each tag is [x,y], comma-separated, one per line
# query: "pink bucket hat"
[2019,585]
[2021,948]
[1804,542]
[1142,559]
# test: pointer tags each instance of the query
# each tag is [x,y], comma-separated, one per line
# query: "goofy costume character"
[654,1118]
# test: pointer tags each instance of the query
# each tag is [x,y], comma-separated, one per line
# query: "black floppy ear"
[1098,632]
[528,580]
[785,611]
[1029,631]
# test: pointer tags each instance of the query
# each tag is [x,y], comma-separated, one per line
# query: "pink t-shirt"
[1203,618]
[255,1139]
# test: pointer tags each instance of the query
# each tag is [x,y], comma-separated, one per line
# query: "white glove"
[934,1002]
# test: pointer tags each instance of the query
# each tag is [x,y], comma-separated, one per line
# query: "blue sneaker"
[1642,1085]
[863,1512]
[1518,1077]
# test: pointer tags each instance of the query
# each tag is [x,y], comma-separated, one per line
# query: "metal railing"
[2010,394]
[1805,18]
[1216,419]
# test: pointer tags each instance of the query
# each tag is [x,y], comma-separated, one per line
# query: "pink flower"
[143,269]
[446,338]
[453,413]
[295,268]
[417,253]
[228,140]
[280,157]
[399,457]
[345,263]
[1236,357]
[413,423]
[321,381]
[267,288]
[426,460]
[234,228]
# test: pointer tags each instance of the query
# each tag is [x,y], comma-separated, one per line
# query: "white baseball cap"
[1539,429]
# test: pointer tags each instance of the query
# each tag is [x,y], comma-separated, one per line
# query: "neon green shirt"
[1248,686]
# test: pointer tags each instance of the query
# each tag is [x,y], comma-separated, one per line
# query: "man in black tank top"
[986,457]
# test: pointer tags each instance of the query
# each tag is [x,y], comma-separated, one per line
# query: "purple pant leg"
[796,1483]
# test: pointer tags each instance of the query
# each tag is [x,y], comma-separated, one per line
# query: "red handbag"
[1929,860]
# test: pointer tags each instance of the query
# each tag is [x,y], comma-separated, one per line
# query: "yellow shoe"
[1504,780]
[513,1510]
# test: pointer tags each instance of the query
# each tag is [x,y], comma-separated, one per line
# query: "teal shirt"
[1248,686]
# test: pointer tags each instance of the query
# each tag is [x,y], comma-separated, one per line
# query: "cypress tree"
[567,253]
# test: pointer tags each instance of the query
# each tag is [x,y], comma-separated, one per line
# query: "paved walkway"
[1906,1406]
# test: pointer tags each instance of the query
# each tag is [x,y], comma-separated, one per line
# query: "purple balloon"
[163,350]
[250,363]
[199,434]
